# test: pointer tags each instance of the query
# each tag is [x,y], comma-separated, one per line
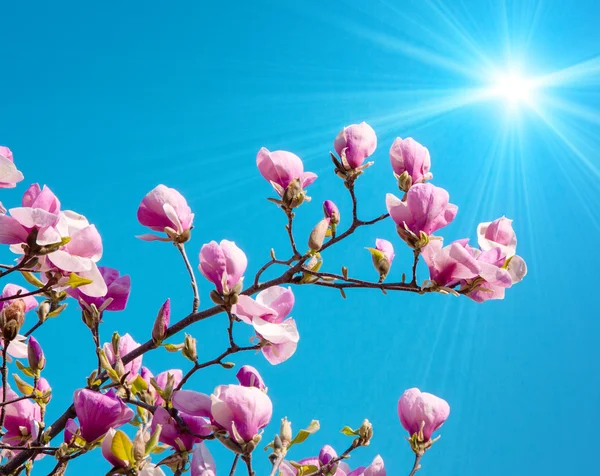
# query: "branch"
[24,397]
[4,383]
[248,460]
[416,254]
[290,215]
[416,466]
[196,302]
[234,465]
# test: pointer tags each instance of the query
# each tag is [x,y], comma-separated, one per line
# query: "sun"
[513,88]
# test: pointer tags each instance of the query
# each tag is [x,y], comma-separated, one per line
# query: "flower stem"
[196,302]
[416,466]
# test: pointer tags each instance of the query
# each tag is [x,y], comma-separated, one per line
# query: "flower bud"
[317,235]
[115,343]
[161,324]
[12,318]
[365,433]
[43,310]
[382,255]
[285,432]
[139,447]
[331,211]
[189,348]
[35,355]
[326,455]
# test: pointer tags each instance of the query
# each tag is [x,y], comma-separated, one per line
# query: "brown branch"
[416,466]
[416,254]
[234,465]
[4,383]
[248,460]
[15,400]
[290,215]
[196,302]
[33,328]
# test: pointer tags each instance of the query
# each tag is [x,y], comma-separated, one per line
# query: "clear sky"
[104,101]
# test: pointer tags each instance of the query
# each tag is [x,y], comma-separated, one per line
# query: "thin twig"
[276,464]
[33,328]
[18,399]
[4,383]
[416,466]
[196,302]
[248,460]
[290,224]
[234,465]
[416,254]
[47,287]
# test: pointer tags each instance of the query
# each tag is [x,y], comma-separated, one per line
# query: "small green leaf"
[302,435]
[24,387]
[56,311]
[153,441]
[32,279]
[26,370]
[139,385]
[349,431]
[121,446]
[173,347]
[304,468]
[76,281]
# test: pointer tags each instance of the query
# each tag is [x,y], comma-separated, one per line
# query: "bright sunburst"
[513,88]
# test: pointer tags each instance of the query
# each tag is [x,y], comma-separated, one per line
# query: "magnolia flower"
[126,345]
[422,411]
[117,294]
[97,413]
[495,277]
[282,169]
[9,175]
[450,264]
[35,355]
[173,435]
[22,420]
[354,144]
[410,160]
[425,211]
[498,234]
[326,455]
[162,380]
[40,210]
[267,314]
[241,411]
[203,463]
[248,376]
[15,290]
[224,265]
[376,468]
[165,210]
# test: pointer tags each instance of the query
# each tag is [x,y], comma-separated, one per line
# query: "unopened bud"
[317,235]
[405,181]
[115,343]
[365,433]
[189,348]
[12,318]
[331,211]
[161,324]
[43,310]
[139,447]
[35,355]
[285,432]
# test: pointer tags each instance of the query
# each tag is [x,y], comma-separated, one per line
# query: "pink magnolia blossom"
[426,209]
[248,376]
[267,314]
[40,210]
[9,175]
[498,234]
[126,345]
[173,435]
[242,411]
[164,209]
[354,144]
[14,290]
[223,264]
[98,413]
[407,155]
[162,378]
[280,168]
[376,468]
[382,255]
[416,409]
[450,264]
[22,421]
[118,289]
[203,463]
[495,277]
[326,455]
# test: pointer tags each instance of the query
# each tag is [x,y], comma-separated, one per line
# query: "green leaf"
[304,468]
[76,281]
[152,444]
[139,385]
[56,311]
[349,431]
[121,446]
[24,387]
[173,347]
[26,370]
[32,279]
[304,434]
[376,253]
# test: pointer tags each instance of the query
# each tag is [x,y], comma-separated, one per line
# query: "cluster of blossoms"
[58,253]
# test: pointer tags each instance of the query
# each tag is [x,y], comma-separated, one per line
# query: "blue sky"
[102,103]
